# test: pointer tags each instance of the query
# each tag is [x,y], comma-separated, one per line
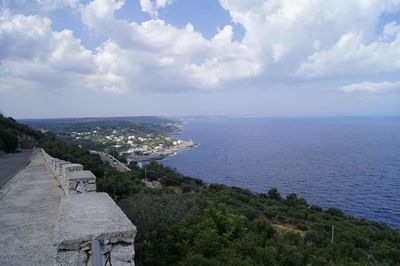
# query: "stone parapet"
[59,167]
[89,216]
[80,182]
[68,168]
[72,177]
[84,217]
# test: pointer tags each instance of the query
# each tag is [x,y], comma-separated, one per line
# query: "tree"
[9,139]
[2,147]
[335,212]
[262,227]
[293,200]
[274,194]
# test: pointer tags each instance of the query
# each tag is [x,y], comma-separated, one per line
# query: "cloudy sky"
[71,58]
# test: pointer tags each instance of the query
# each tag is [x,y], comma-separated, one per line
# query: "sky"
[71,58]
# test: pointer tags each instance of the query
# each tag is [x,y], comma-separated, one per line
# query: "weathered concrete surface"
[68,168]
[28,213]
[85,175]
[98,218]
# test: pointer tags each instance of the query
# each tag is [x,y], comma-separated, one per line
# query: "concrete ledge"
[88,216]
[85,175]
[71,167]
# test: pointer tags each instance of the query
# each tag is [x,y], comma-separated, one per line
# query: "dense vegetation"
[190,223]
[13,134]
[138,124]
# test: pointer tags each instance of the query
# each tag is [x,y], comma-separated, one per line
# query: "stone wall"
[89,216]
[81,182]
[71,176]
[85,215]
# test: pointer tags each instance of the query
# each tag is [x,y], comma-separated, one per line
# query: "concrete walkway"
[28,213]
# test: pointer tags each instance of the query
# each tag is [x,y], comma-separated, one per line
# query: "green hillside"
[14,135]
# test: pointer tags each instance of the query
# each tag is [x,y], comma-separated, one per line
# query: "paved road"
[28,213]
[120,167]
[11,164]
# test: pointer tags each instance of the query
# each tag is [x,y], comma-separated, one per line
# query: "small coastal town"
[130,147]
[134,147]
[126,139]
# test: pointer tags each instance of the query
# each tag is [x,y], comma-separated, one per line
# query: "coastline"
[162,154]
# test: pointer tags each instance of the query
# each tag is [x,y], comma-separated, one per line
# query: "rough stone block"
[88,216]
[86,180]
[72,192]
[122,263]
[84,175]
[105,249]
[72,185]
[122,253]
[90,187]
[67,258]
[83,257]
[80,188]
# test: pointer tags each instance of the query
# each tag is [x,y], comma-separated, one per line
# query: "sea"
[348,163]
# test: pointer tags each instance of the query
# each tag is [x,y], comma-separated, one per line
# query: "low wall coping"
[59,164]
[88,216]
[81,175]
[72,165]
[55,160]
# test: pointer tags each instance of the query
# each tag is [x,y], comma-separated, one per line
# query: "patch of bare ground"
[288,228]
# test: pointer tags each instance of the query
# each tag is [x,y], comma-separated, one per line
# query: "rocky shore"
[159,155]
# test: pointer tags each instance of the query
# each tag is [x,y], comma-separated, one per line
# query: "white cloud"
[224,36]
[23,36]
[278,51]
[151,6]
[156,51]
[284,41]
[391,29]
[49,5]
[38,6]
[350,56]
[32,56]
[311,38]
[372,87]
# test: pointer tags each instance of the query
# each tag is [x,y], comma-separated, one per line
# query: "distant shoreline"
[160,155]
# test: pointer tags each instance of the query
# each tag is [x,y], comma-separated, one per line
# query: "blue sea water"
[349,163]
